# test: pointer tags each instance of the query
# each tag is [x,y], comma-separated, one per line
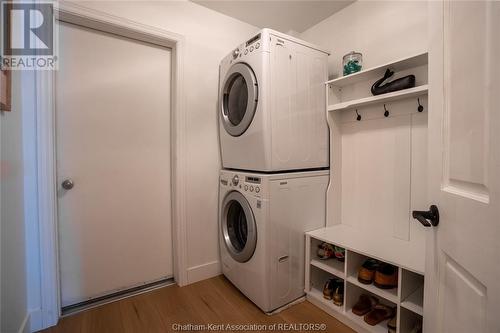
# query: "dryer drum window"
[239,99]
[238,226]
[235,100]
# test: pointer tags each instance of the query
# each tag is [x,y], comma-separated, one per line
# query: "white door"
[113,143]
[462,268]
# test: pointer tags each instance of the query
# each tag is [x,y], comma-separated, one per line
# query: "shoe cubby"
[407,297]
[412,291]
[318,278]
[354,262]
[354,292]
[410,321]
[331,265]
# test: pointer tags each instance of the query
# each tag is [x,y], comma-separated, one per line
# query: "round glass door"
[239,230]
[239,99]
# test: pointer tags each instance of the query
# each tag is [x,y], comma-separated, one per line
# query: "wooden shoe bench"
[378,160]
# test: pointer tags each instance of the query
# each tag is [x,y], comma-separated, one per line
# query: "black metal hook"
[386,113]
[420,107]
[358,118]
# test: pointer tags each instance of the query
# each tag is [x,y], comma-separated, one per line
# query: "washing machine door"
[239,99]
[239,231]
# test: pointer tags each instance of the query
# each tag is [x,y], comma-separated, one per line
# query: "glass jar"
[352,62]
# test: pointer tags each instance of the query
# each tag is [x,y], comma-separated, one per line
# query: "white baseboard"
[202,272]
[25,325]
[36,320]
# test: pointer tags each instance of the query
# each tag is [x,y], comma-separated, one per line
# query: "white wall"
[209,36]
[382,30]
[14,309]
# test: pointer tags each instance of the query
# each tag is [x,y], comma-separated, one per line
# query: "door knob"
[67,184]
[428,218]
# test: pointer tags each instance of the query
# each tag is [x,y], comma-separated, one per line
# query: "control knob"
[235,180]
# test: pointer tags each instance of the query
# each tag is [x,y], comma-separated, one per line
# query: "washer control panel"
[251,185]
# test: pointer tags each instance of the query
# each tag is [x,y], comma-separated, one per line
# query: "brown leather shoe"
[366,272]
[386,276]
[364,304]
[379,313]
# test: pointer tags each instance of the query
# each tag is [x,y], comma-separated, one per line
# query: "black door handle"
[428,218]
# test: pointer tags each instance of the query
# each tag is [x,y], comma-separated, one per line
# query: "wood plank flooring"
[213,301]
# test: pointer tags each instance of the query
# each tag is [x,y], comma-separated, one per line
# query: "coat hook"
[386,113]
[420,107]
[358,118]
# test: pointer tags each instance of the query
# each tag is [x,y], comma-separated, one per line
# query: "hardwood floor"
[213,301]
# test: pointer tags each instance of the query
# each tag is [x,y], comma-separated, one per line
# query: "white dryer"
[272,105]
[262,221]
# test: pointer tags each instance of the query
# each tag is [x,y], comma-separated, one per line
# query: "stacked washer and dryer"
[275,157]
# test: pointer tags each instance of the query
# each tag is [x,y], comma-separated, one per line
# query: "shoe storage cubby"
[354,292]
[332,265]
[318,278]
[407,297]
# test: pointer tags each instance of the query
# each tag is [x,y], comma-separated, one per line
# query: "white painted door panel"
[113,141]
[462,272]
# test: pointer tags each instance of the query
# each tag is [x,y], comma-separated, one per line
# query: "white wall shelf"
[375,73]
[384,98]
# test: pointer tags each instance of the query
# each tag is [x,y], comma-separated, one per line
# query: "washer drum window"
[239,230]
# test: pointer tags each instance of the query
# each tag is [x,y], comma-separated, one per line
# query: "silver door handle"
[67,184]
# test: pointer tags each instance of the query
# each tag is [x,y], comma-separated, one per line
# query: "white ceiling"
[282,15]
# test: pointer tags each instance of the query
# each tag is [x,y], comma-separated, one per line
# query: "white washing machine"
[273,105]
[262,221]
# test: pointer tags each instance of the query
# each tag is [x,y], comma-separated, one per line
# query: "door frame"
[50,298]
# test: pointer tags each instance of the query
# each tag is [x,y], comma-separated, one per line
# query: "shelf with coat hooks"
[353,91]
[389,97]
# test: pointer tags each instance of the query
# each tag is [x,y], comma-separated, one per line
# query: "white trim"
[203,272]
[46,163]
[47,211]
[25,325]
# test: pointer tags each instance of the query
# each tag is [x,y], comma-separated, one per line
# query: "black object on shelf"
[395,85]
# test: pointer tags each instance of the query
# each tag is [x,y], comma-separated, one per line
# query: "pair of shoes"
[327,251]
[373,312]
[334,290]
[383,275]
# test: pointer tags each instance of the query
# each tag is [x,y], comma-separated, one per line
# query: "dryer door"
[239,99]
[239,230]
